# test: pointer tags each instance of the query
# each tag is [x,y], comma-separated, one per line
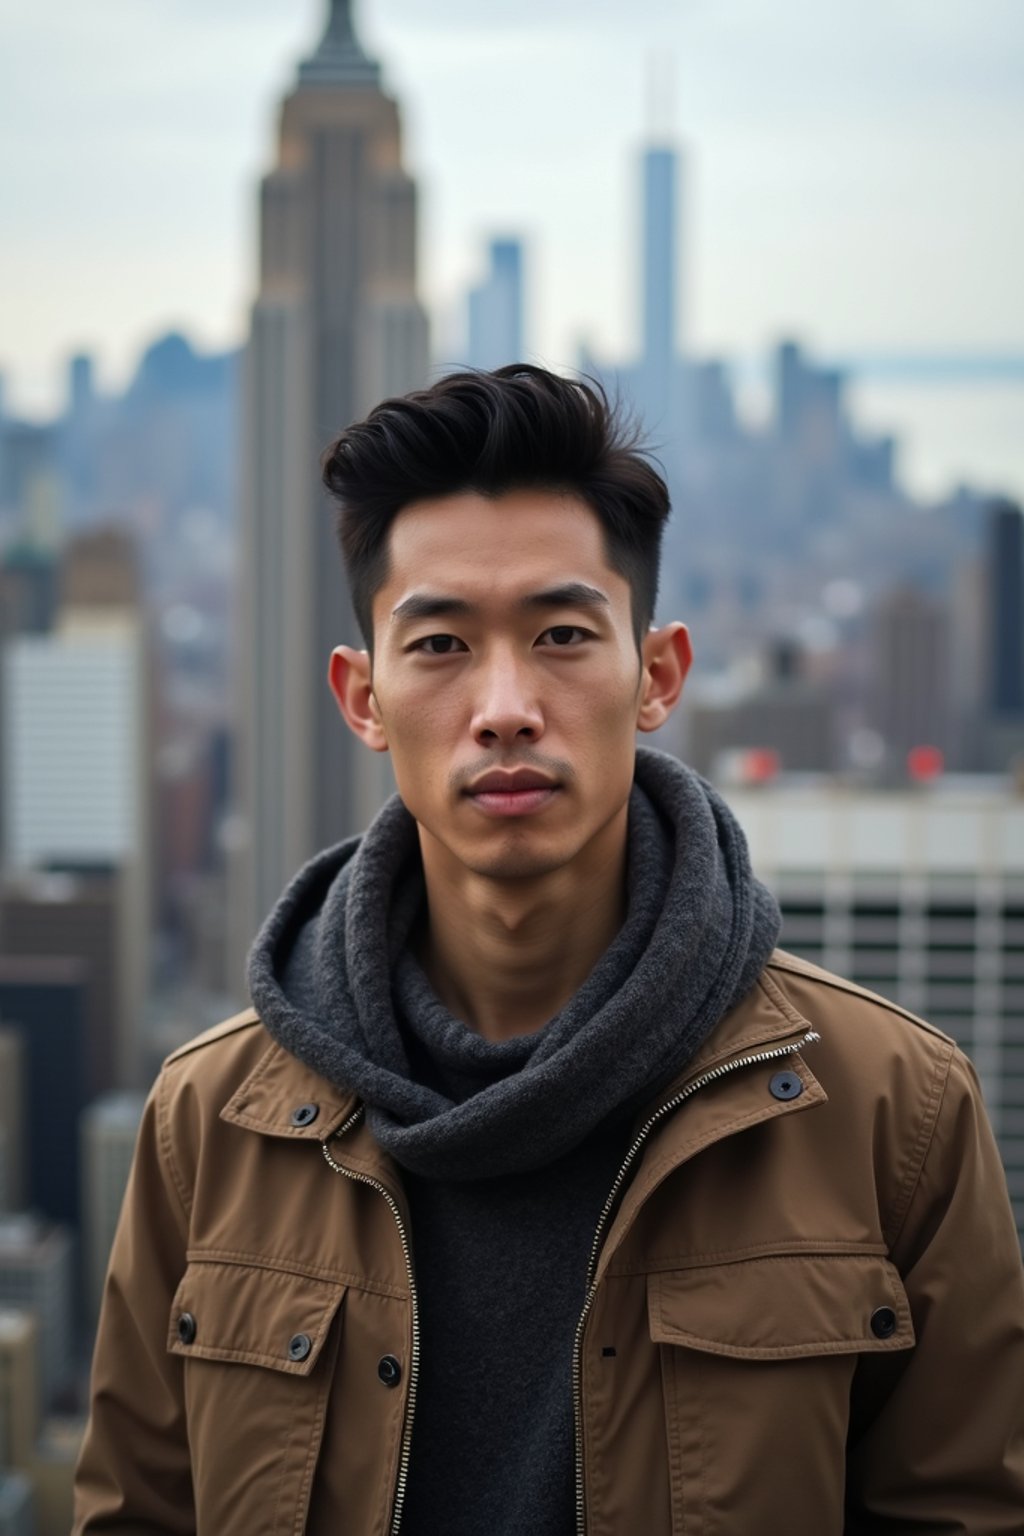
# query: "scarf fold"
[335,983]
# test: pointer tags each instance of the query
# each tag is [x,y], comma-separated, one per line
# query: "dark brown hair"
[516,428]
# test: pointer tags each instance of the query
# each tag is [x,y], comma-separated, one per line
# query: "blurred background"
[785,235]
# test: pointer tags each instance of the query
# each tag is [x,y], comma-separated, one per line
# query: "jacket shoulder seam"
[167,1151]
[904,1197]
[917,1154]
[247,1019]
[782,960]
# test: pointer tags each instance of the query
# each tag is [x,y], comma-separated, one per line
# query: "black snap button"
[305,1114]
[883,1322]
[785,1085]
[389,1370]
[187,1328]
[299,1347]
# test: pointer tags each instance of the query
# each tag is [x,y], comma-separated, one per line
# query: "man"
[540,1193]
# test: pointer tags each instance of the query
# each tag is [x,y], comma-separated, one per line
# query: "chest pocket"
[258,1347]
[757,1365]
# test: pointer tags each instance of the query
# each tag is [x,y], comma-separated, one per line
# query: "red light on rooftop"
[760,765]
[924,763]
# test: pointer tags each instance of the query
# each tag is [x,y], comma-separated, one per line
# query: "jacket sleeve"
[133,1472]
[941,1438]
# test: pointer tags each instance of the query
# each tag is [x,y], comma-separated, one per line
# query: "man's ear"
[667,656]
[349,675]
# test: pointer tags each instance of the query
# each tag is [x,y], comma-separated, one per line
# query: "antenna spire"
[660,96]
[339,59]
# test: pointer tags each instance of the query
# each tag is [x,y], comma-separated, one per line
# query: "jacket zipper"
[659,1114]
[414,1360]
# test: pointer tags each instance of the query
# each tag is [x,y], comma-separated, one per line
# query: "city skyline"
[900,125]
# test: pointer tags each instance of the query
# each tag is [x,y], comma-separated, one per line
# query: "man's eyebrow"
[429,605]
[573,594]
[434,605]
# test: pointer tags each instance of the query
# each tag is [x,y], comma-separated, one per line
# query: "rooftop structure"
[916,894]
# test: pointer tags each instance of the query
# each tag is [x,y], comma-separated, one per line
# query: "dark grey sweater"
[508,1150]
[500,1268]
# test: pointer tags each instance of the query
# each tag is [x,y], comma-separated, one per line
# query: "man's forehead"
[516,550]
[552,513]
[540,537]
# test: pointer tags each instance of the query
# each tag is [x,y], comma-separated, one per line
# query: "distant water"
[950,431]
[956,421]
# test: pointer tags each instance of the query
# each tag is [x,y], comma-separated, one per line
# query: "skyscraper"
[74,750]
[17,1517]
[809,408]
[108,1130]
[910,695]
[496,309]
[46,1000]
[12,1115]
[660,385]
[36,1275]
[1005,541]
[659,287]
[659,371]
[19,1386]
[73,747]
[336,326]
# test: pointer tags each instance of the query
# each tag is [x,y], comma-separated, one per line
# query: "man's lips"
[505,782]
[512,794]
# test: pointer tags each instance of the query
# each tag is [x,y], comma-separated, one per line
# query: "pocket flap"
[782,1306]
[252,1315]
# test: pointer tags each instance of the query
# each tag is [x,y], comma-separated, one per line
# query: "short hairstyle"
[519,427]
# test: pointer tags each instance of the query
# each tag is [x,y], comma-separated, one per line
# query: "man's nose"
[507,707]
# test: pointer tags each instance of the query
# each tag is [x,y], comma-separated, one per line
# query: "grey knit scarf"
[335,983]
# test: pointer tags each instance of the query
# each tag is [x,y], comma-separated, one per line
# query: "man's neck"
[505,956]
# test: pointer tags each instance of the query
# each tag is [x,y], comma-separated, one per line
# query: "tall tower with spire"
[658,382]
[336,326]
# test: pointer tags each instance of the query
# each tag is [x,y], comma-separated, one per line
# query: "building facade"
[19,1387]
[109,1128]
[336,327]
[1005,561]
[496,309]
[17,1516]
[918,895]
[662,286]
[76,764]
[12,1132]
[36,1276]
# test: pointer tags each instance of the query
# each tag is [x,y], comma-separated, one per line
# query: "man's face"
[506,680]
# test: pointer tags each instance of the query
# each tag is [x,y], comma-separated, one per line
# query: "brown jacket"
[806,1313]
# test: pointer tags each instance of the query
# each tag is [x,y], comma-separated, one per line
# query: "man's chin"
[512,850]
[515,862]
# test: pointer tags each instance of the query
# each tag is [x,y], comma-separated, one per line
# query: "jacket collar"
[727,1088]
[762,1019]
[280,1086]
[282,1097]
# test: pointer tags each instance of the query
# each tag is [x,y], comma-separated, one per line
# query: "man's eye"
[438,645]
[565,634]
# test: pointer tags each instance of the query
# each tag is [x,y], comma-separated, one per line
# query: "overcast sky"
[853,170]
